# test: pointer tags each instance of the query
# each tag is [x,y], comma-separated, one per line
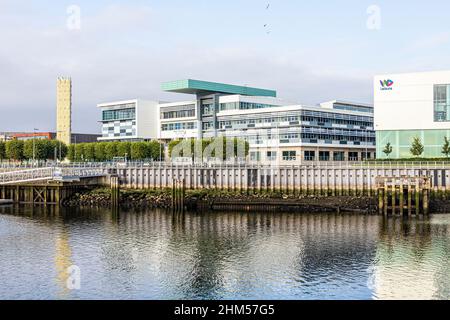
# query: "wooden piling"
[115,191]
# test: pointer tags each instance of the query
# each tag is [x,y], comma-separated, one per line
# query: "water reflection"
[413,259]
[156,255]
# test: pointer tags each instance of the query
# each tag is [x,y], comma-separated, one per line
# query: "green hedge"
[106,151]
[32,149]
[206,142]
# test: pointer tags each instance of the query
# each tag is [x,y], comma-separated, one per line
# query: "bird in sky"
[268,6]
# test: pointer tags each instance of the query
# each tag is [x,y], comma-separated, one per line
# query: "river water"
[156,255]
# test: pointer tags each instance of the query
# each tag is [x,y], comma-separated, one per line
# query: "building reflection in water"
[245,255]
[156,255]
[413,259]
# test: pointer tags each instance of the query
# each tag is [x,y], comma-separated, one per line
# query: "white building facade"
[276,130]
[412,105]
[129,120]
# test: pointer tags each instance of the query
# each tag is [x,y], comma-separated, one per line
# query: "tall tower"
[64,110]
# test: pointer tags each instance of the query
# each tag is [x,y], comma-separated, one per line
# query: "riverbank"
[221,200]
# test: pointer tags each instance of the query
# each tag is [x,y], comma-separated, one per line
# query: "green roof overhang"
[190,86]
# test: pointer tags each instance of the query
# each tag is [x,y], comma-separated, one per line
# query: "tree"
[100,154]
[14,150]
[446,147]
[90,151]
[71,152]
[139,151]
[2,151]
[237,145]
[111,150]
[124,149]
[156,150]
[416,147]
[56,149]
[79,152]
[36,149]
[387,149]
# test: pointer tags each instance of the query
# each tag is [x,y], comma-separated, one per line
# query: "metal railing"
[11,167]
[26,175]
[50,173]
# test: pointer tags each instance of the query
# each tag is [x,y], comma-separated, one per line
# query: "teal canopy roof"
[190,86]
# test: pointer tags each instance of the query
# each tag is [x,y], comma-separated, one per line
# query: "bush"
[14,150]
[2,150]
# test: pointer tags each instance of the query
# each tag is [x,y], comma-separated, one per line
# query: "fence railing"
[50,173]
[15,166]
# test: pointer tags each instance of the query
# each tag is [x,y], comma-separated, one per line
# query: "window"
[184,112]
[255,156]
[207,125]
[365,155]
[289,155]
[324,155]
[271,155]
[442,103]
[310,155]
[119,114]
[353,156]
[178,126]
[338,156]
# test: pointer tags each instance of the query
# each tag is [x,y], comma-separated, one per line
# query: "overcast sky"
[309,51]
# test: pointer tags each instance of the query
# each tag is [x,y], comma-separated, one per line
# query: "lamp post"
[34,144]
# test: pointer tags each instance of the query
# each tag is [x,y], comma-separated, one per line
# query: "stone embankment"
[224,200]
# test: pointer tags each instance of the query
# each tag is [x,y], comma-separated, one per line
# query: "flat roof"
[190,86]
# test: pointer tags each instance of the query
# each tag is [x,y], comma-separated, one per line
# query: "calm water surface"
[154,255]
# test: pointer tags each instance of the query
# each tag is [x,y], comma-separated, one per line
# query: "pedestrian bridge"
[55,174]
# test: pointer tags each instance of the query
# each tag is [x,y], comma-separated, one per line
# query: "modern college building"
[412,105]
[275,129]
[130,120]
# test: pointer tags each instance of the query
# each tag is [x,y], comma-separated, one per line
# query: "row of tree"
[32,149]
[417,148]
[105,151]
[221,147]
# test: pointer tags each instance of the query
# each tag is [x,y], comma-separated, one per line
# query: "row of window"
[292,155]
[348,107]
[442,103]
[183,113]
[119,114]
[350,136]
[243,106]
[179,126]
[319,120]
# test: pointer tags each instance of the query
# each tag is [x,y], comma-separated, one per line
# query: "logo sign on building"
[386,84]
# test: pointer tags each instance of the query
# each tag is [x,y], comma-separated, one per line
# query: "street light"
[34,144]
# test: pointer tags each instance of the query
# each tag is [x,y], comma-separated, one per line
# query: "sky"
[309,51]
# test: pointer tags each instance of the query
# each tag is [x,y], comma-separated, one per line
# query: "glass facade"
[178,126]
[303,126]
[186,112]
[119,114]
[442,103]
[401,141]
[244,106]
[350,107]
